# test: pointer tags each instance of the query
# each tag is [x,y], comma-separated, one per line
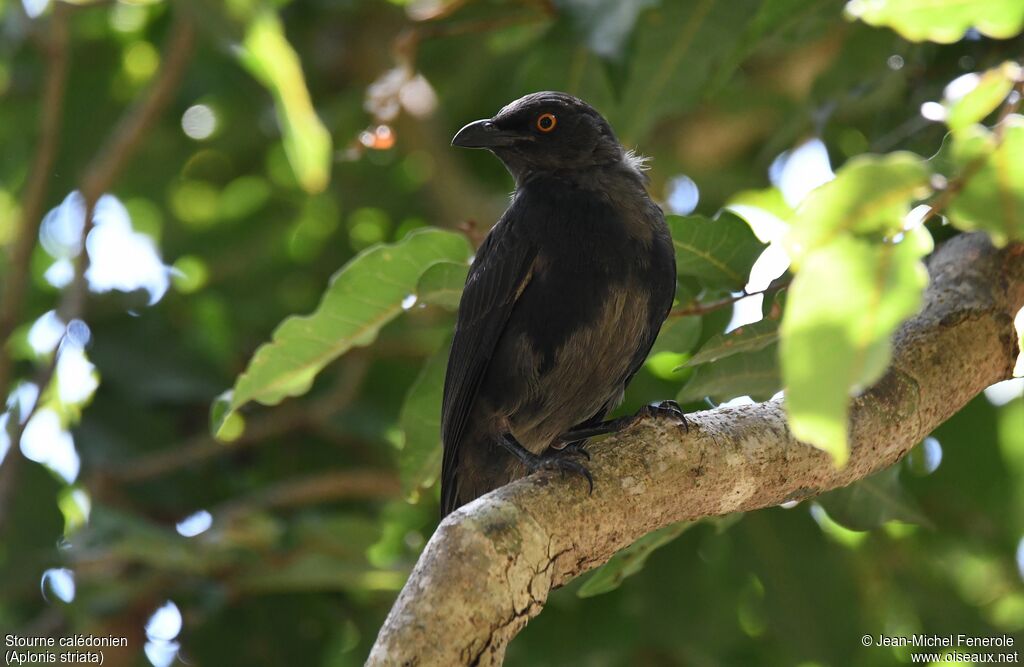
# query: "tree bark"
[490,565]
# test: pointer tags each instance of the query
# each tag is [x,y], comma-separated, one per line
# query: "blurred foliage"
[292,172]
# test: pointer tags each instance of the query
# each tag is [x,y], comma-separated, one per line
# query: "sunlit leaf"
[992,199]
[748,338]
[870,195]
[755,374]
[363,296]
[420,420]
[268,56]
[843,306]
[717,252]
[943,21]
[989,91]
[630,560]
[442,284]
[873,501]
[766,211]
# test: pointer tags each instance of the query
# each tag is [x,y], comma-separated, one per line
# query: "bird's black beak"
[483,134]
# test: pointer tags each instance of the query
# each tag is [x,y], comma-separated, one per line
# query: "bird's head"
[545,132]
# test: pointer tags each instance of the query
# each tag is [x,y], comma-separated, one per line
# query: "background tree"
[218,163]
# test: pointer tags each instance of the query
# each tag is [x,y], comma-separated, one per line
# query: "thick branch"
[489,566]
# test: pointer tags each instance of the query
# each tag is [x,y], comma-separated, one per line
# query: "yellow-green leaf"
[992,165]
[268,56]
[869,195]
[943,21]
[843,307]
[363,296]
[986,92]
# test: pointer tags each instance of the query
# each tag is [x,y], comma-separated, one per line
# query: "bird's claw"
[562,460]
[665,410]
[577,447]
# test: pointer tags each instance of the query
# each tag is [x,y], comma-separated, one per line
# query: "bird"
[562,302]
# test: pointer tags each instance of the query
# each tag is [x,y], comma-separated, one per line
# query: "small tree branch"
[17,272]
[268,425]
[489,567]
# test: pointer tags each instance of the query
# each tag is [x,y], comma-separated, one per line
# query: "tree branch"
[489,567]
[52,110]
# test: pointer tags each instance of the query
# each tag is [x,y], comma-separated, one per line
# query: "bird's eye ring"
[546,122]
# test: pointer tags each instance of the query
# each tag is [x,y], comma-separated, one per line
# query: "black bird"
[562,303]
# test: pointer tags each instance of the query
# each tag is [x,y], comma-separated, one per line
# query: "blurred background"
[285,138]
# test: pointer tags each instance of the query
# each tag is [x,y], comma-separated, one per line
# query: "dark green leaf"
[748,338]
[755,374]
[606,25]
[717,252]
[420,420]
[630,560]
[873,501]
[678,334]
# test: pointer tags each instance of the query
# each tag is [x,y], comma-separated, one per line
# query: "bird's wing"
[497,277]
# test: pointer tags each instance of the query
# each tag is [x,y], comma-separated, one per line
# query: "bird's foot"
[664,410]
[562,460]
[575,447]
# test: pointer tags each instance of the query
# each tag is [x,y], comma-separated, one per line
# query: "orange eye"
[546,122]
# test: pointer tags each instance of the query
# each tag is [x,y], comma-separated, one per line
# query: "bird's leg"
[669,409]
[551,459]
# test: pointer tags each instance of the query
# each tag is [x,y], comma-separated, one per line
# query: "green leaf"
[766,211]
[992,199]
[268,56]
[989,91]
[225,424]
[873,501]
[755,374]
[442,284]
[942,21]
[678,334]
[363,296]
[420,421]
[719,252]
[678,48]
[606,25]
[748,338]
[843,306]
[630,560]
[869,195]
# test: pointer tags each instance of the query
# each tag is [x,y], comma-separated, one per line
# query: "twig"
[955,186]
[702,308]
[52,104]
[319,488]
[283,420]
[17,273]
[99,176]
